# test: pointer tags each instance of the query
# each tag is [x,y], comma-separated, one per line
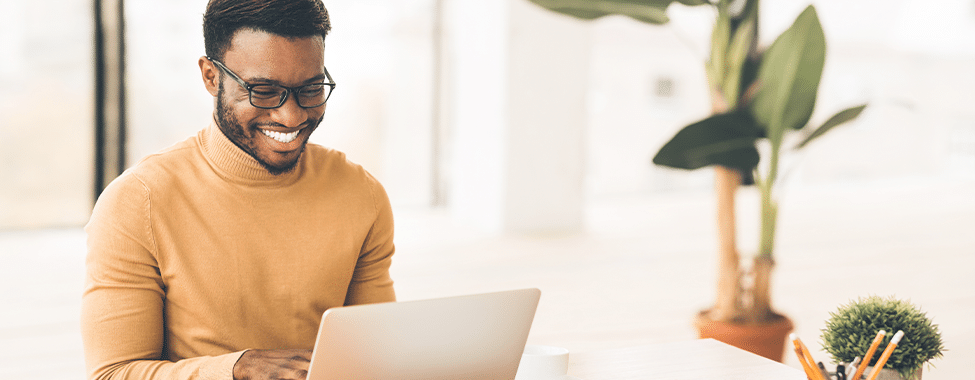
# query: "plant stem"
[770,207]
[761,299]
[727,307]
[761,305]
[769,213]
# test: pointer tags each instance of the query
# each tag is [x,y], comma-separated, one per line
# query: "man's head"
[265,42]
[291,18]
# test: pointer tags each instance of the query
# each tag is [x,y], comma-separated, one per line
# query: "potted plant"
[852,328]
[757,94]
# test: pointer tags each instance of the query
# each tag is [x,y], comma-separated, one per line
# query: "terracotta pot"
[767,339]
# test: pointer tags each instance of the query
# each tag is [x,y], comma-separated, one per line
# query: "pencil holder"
[889,374]
[852,329]
[885,374]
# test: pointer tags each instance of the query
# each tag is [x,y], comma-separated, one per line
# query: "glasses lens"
[313,95]
[266,95]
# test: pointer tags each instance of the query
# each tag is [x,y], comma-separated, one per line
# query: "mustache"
[308,123]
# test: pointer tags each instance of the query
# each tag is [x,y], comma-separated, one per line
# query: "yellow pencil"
[807,357]
[805,367]
[879,365]
[869,355]
[802,358]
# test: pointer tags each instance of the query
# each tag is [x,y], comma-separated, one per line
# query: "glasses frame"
[288,90]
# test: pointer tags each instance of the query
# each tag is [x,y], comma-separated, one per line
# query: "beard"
[235,132]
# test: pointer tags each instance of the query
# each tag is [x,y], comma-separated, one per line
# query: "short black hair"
[288,18]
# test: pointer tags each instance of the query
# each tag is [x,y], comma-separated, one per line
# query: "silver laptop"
[480,336]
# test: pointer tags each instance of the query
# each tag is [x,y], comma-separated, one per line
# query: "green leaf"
[840,118]
[789,77]
[735,60]
[720,35]
[749,85]
[723,139]
[649,11]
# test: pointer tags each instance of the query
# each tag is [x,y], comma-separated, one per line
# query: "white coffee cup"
[543,363]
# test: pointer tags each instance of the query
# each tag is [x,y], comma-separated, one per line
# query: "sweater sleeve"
[122,320]
[371,282]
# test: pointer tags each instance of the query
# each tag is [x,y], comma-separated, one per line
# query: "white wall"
[165,98]
[516,93]
[910,59]
[46,113]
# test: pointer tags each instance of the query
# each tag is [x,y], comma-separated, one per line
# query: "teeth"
[282,137]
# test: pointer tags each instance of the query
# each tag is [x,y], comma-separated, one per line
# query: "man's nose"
[290,114]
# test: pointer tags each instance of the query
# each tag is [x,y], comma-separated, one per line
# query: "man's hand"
[273,364]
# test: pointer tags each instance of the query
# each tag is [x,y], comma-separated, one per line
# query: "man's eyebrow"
[262,80]
[316,79]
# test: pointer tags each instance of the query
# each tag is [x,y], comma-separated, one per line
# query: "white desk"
[692,360]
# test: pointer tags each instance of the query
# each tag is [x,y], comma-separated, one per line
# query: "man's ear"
[211,76]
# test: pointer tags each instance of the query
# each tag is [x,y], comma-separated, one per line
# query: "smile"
[281,137]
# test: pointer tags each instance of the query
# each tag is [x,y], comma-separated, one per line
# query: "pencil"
[869,355]
[805,367]
[802,358]
[816,375]
[879,365]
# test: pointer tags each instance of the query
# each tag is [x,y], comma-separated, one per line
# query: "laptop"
[479,336]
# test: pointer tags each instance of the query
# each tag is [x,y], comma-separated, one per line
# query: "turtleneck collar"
[232,163]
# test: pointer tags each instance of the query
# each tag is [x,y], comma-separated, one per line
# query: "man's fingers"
[304,355]
[300,356]
[273,364]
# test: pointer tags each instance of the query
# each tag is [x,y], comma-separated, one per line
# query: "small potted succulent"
[852,328]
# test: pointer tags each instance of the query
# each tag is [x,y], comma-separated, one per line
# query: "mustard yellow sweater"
[198,253]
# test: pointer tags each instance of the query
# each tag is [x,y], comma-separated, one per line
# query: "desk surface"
[696,359]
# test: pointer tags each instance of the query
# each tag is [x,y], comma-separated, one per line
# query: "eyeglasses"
[268,96]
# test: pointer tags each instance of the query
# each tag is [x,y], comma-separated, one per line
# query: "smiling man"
[215,258]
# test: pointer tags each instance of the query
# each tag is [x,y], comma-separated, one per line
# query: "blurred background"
[515,146]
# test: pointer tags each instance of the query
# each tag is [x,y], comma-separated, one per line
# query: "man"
[215,258]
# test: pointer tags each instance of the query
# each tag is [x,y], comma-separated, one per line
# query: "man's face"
[274,137]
